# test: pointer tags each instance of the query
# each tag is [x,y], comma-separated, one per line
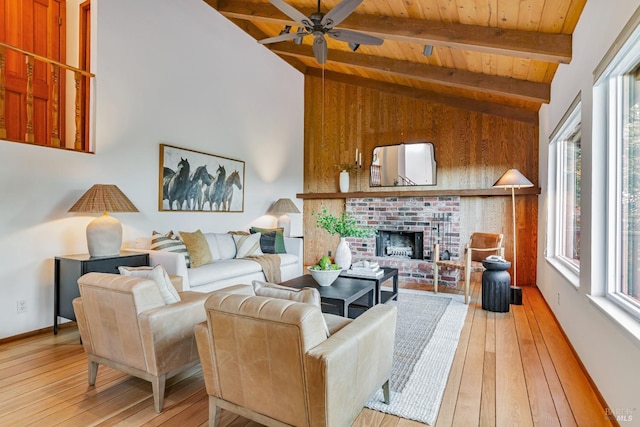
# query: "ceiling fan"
[318,24]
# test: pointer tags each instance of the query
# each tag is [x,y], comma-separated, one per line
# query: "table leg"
[344,308]
[395,286]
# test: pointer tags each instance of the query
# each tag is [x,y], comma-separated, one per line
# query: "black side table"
[496,284]
[69,268]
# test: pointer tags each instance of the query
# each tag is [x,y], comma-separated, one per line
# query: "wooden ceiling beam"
[500,110]
[555,48]
[461,79]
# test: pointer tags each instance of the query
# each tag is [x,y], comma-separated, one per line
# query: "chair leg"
[386,393]
[92,369]
[467,275]
[436,270]
[214,412]
[157,385]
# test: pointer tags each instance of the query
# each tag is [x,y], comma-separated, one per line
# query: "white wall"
[168,71]
[609,353]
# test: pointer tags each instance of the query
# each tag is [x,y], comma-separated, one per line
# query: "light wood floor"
[509,369]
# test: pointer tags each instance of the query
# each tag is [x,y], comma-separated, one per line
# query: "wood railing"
[81,120]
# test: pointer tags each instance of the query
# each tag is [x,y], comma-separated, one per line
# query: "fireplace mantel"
[479,192]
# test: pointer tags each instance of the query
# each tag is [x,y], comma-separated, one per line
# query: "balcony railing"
[81,80]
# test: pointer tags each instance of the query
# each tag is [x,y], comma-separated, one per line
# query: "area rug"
[427,334]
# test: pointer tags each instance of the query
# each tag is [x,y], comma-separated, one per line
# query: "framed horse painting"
[194,181]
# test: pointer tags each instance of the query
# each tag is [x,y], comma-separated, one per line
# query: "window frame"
[556,227]
[611,76]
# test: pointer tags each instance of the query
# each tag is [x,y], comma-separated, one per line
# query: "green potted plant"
[345,226]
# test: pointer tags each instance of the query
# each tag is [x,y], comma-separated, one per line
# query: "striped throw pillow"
[169,242]
[247,245]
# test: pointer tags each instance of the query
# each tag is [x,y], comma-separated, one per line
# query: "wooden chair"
[480,246]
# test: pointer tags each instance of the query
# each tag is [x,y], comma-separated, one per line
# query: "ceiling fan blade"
[354,37]
[292,12]
[339,13]
[281,38]
[320,49]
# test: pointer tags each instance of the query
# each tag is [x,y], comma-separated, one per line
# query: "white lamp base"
[285,222]
[104,236]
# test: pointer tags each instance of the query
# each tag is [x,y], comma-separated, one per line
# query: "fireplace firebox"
[402,244]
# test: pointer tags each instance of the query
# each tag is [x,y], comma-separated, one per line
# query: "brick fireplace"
[400,220]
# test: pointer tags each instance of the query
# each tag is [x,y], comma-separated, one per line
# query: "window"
[620,79]
[564,180]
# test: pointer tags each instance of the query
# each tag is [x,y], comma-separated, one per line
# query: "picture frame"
[194,181]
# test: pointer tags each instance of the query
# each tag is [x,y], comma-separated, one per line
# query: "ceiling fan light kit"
[319,24]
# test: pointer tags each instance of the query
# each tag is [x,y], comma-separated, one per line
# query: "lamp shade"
[283,206]
[103,198]
[104,234]
[513,178]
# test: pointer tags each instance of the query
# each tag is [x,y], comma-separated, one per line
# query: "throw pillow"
[170,243]
[198,248]
[159,275]
[280,249]
[268,242]
[305,295]
[247,245]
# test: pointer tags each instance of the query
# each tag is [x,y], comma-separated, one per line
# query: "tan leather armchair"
[480,246]
[270,360]
[125,324]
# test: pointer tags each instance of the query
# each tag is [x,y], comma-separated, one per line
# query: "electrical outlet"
[21,306]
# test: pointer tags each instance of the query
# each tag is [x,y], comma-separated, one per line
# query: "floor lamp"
[513,179]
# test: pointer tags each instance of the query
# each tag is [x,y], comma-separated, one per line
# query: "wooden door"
[36,26]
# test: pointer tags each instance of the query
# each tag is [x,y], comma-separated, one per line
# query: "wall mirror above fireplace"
[403,165]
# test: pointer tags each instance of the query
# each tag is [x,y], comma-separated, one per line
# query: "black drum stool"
[496,284]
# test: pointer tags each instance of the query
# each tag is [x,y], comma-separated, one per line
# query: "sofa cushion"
[279,244]
[213,245]
[198,248]
[304,295]
[159,276]
[247,245]
[226,245]
[221,270]
[169,243]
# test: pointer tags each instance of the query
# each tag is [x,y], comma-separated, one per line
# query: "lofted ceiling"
[493,56]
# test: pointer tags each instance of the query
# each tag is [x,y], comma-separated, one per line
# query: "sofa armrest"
[164,330]
[349,366]
[294,246]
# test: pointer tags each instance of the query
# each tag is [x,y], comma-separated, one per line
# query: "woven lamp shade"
[283,206]
[103,198]
[104,234]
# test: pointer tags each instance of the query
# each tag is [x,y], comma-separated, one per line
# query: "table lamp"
[513,179]
[281,208]
[104,234]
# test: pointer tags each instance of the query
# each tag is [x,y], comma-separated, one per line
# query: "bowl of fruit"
[325,272]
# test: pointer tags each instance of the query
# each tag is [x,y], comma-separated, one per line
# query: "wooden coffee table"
[341,293]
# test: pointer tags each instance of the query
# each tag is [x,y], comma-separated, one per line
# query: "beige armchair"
[270,360]
[480,246]
[125,324]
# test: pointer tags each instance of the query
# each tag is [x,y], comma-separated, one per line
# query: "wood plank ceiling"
[492,56]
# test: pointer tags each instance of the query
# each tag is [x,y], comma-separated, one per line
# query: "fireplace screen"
[403,244]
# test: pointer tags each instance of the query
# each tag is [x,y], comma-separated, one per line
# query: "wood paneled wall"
[472,150]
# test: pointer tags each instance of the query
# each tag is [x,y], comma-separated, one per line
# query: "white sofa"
[225,270]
